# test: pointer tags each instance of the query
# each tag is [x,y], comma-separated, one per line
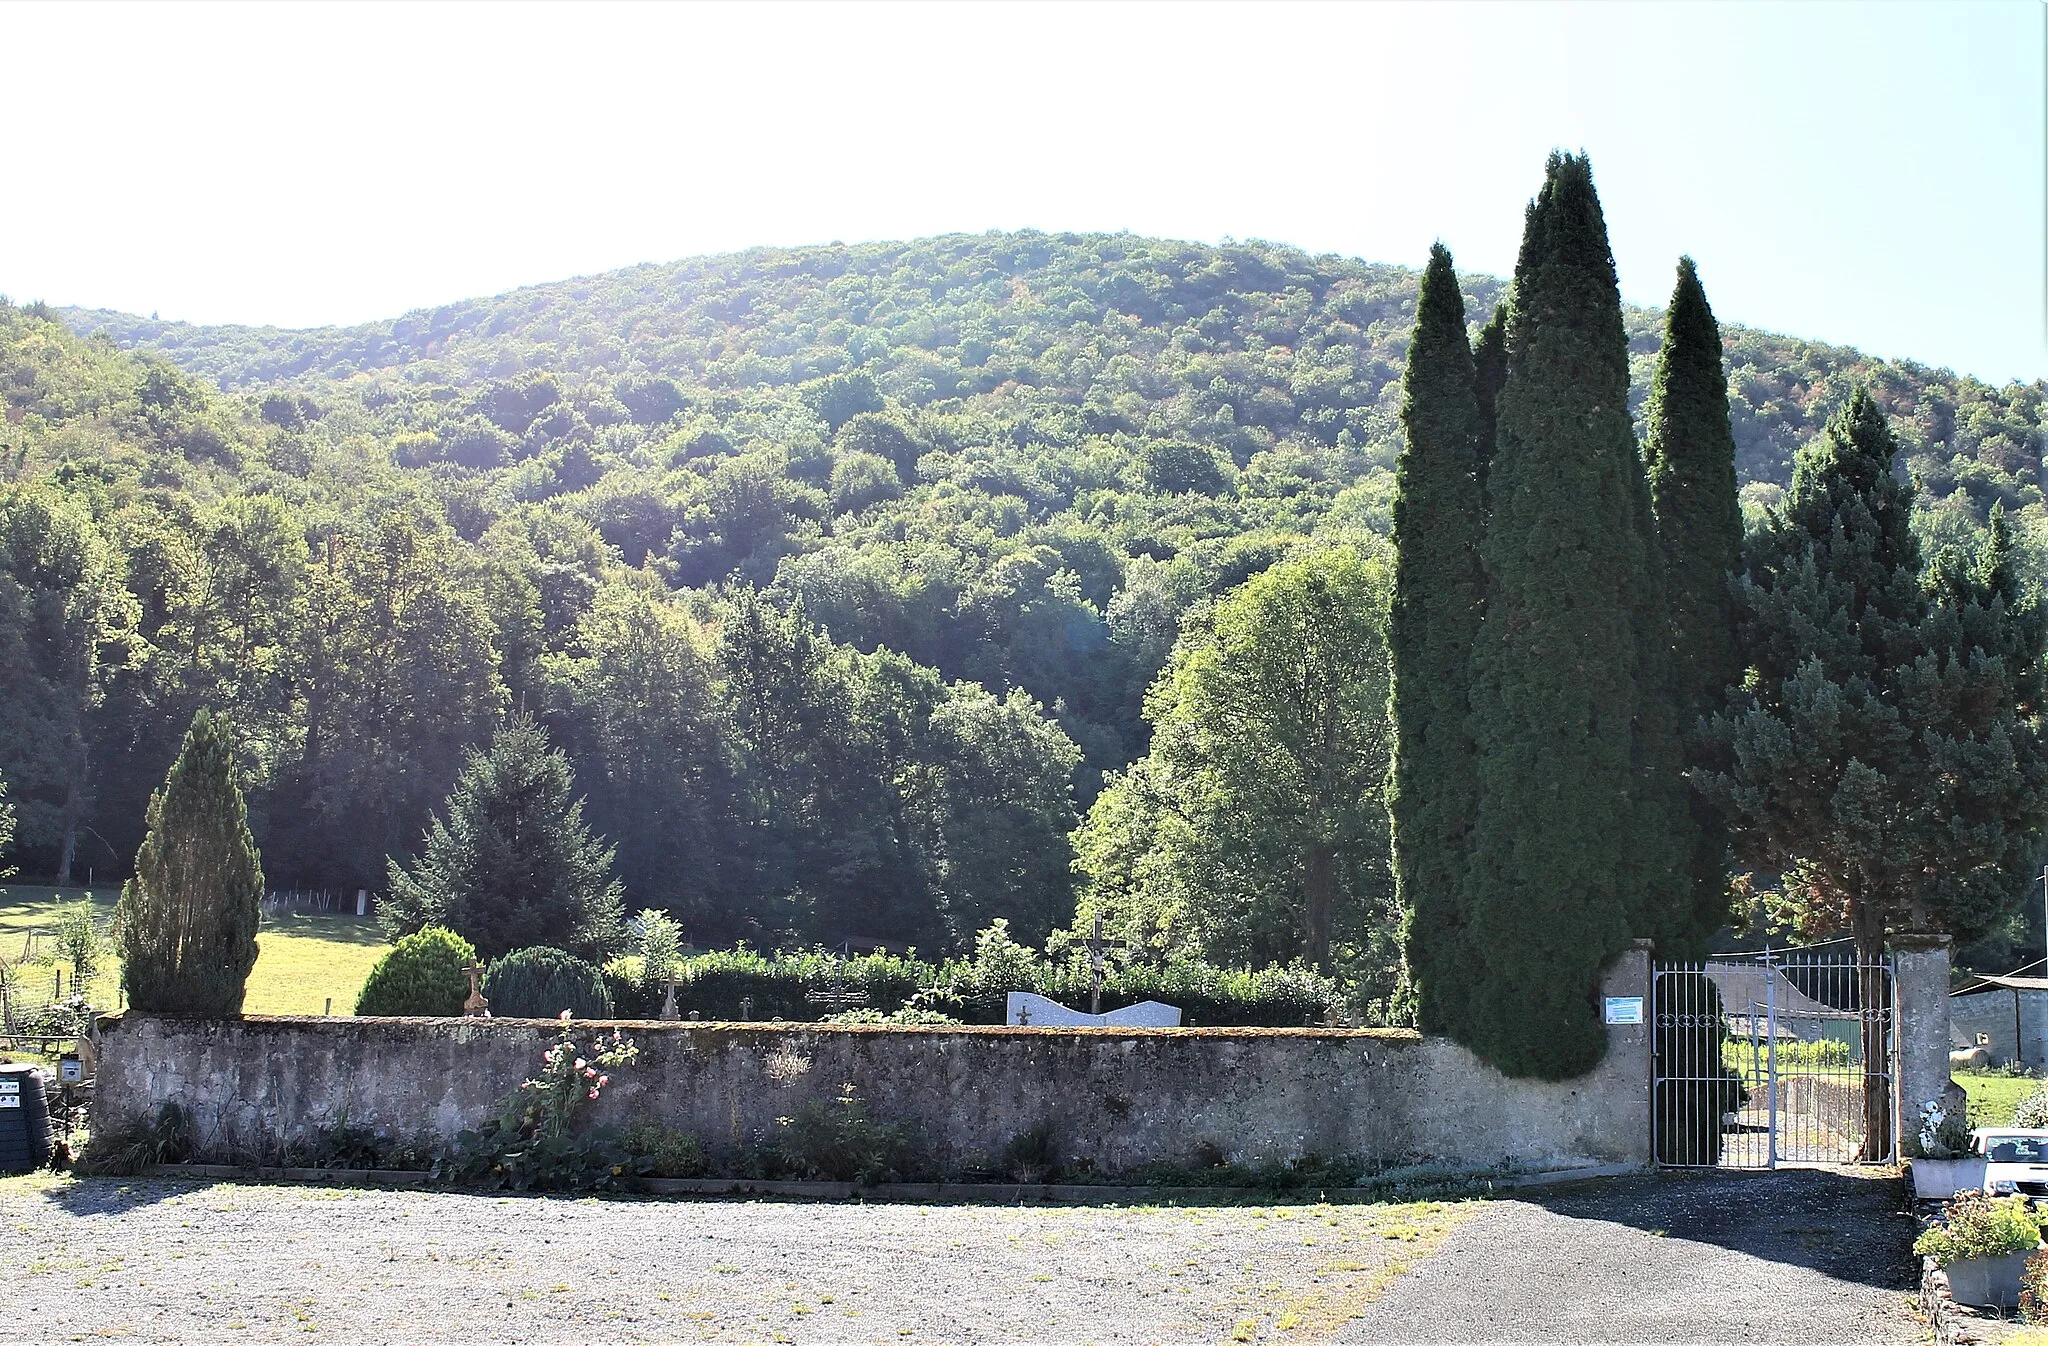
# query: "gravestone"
[1027,1009]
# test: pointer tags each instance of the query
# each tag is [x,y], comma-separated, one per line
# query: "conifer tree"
[1489,372]
[1886,753]
[1436,610]
[1691,452]
[512,864]
[188,917]
[1554,666]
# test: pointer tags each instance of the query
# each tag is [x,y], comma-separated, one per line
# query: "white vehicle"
[2015,1160]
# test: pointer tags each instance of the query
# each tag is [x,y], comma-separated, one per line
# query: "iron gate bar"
[1759,1059]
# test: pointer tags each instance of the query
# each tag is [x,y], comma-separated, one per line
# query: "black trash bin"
[24,1120]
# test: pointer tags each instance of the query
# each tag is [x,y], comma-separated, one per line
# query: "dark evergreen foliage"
[1489,373]
[539,983]
[1555,696]
[1691,454]
[1438,522]
[188,917]
[511,863]
[1885,752]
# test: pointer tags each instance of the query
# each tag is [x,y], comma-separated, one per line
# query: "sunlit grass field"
[304,960]
[1993,1097]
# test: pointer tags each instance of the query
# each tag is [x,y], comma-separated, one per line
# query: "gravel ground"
[176,1261]
[1805,1258]
[1800,1257]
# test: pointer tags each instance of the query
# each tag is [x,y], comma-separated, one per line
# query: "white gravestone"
[1030,1010]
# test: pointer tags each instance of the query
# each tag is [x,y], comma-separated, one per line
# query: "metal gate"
[1774,1058]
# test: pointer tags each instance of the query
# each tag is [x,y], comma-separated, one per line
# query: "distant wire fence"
[325,901]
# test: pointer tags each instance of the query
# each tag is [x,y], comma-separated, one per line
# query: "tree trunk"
[1873,998]
[69,853]
[1318,902]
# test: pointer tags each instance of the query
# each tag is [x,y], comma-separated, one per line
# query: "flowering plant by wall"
[570,1079]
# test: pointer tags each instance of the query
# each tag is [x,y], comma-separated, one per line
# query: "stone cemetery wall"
[1119,1096]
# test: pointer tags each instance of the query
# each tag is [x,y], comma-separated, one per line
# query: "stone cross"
[668,1005]
[476,1007]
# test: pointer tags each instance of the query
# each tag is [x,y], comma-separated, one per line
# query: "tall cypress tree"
[1436,609]
[188,917]
[1554,696]
[1691,453]
[1489,372]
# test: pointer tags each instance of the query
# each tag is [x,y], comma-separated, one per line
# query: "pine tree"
[512,864]
[1436,609]
[1691,453]
[1554,688]
[188,917]
[1885,754]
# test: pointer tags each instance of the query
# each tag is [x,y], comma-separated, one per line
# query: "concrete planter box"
[1940,1179]
[1987,1282]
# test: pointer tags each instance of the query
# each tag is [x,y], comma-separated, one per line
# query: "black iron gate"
[1773,1058]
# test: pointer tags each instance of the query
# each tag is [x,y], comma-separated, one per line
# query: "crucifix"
[1097,949]
[476,1007]
[838,998]
[668,1006]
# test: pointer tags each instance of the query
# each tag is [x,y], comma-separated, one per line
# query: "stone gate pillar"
[1628,1048]
[1922,1030]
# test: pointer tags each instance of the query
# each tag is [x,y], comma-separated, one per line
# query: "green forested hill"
[832,567]
[1071,336]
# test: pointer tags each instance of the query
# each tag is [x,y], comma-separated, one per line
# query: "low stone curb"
[1951,1323]
[964,1192]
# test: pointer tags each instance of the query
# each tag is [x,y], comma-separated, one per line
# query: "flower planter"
[1940,1179]
[1987,1282]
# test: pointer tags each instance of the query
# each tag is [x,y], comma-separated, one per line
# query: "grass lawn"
[1993,1097]
[302,959]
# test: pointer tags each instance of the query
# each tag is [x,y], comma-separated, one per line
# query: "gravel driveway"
[147,1261]
[1805,1258]
[1801,1257]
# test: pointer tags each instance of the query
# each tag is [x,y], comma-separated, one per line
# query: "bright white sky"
[1869,174]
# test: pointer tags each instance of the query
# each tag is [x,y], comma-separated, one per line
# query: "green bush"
[666,1151]
[422,974]
[539,983]
[2032,1111]
[976,990]
[837,1141]
[1976,1225]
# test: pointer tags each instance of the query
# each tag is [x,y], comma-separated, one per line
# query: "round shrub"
[539,983]
[422,974]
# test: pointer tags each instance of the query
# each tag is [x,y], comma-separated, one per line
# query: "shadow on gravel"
[1842,1224]
[118,1196]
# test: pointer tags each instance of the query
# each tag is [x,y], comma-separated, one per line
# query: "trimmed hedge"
[421,974]
[539,983]
[713,984]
